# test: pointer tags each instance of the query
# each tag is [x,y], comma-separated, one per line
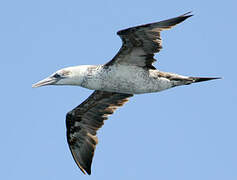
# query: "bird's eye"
[56,75]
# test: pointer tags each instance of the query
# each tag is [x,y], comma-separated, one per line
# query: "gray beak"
[46,81]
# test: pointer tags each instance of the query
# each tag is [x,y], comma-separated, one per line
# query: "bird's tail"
[200,79]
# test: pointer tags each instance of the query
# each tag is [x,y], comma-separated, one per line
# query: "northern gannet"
[129,72]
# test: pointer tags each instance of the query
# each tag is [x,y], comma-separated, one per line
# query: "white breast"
[125,79]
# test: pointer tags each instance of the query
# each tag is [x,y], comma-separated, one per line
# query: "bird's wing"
[141,42]
[83,122]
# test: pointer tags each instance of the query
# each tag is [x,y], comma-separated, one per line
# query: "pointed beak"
[46,81]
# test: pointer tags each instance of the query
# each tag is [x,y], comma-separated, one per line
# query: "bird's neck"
[80,74]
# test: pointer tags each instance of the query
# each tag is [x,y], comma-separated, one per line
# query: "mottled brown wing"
[141,42]
[83,122]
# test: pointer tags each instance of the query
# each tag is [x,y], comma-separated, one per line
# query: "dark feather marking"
[145,38]
[89,117]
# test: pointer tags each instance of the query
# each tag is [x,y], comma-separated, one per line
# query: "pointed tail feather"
[200,79]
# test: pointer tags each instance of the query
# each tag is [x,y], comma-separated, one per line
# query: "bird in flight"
[130,72]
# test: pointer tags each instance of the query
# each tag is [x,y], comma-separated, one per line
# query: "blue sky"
[184,133]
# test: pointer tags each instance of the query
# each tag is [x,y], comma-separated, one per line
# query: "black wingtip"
[169,23]
[200,79]
[88,170]
[85,168]
[188,14]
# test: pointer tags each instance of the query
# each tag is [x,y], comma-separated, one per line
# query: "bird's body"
[127,79]
[130,72]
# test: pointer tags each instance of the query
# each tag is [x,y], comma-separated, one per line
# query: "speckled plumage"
[130,72]
[130,79]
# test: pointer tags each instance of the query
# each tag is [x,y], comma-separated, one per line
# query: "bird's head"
[67,76]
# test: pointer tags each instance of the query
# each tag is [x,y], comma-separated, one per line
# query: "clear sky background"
[185,133]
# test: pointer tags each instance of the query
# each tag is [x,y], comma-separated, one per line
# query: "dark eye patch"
[56,75]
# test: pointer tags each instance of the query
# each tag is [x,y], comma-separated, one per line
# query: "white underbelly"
[136,86]
[125,79]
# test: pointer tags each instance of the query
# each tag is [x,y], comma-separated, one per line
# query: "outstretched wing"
[83,122]
[141,42]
